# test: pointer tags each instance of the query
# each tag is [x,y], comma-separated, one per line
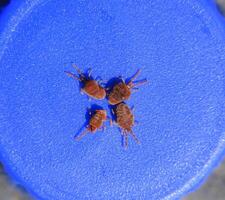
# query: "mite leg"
[107,89]
[135,137]
[81,91]
[102,83]
[122,79]
[112,111]
[98,79]
[133,85]
[111,122]
[78,70]
[89,72]
[134,89]
[103,128]
[134,77]
[89,98]
[81,75]
[125,144]
[72,75]
[79,137]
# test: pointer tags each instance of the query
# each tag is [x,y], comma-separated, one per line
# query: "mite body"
[96,122]
[89,86]
[122,91]
[125,120]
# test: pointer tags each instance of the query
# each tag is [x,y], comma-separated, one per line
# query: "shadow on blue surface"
[4,3]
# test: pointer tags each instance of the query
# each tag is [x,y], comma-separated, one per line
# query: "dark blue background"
[179,45]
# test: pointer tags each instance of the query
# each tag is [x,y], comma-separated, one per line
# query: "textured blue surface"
[180,47]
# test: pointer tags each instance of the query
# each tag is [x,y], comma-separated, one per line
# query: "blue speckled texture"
[179,45]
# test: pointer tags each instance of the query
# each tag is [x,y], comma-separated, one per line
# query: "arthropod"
[122,90]
[98,117]
[89,86]
[125,120]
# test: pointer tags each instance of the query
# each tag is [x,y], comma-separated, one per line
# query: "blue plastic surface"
[179,45]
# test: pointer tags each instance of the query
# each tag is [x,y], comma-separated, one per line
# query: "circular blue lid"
[180,47]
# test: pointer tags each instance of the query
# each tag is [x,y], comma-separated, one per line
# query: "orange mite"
[125,120]
[90,87]
[122,91]
[95,123]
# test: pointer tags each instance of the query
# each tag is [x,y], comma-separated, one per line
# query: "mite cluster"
[116,95]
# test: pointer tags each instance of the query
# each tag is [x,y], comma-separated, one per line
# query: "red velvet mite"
[95,123]
[125,120]
[90,87]
[122,91]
